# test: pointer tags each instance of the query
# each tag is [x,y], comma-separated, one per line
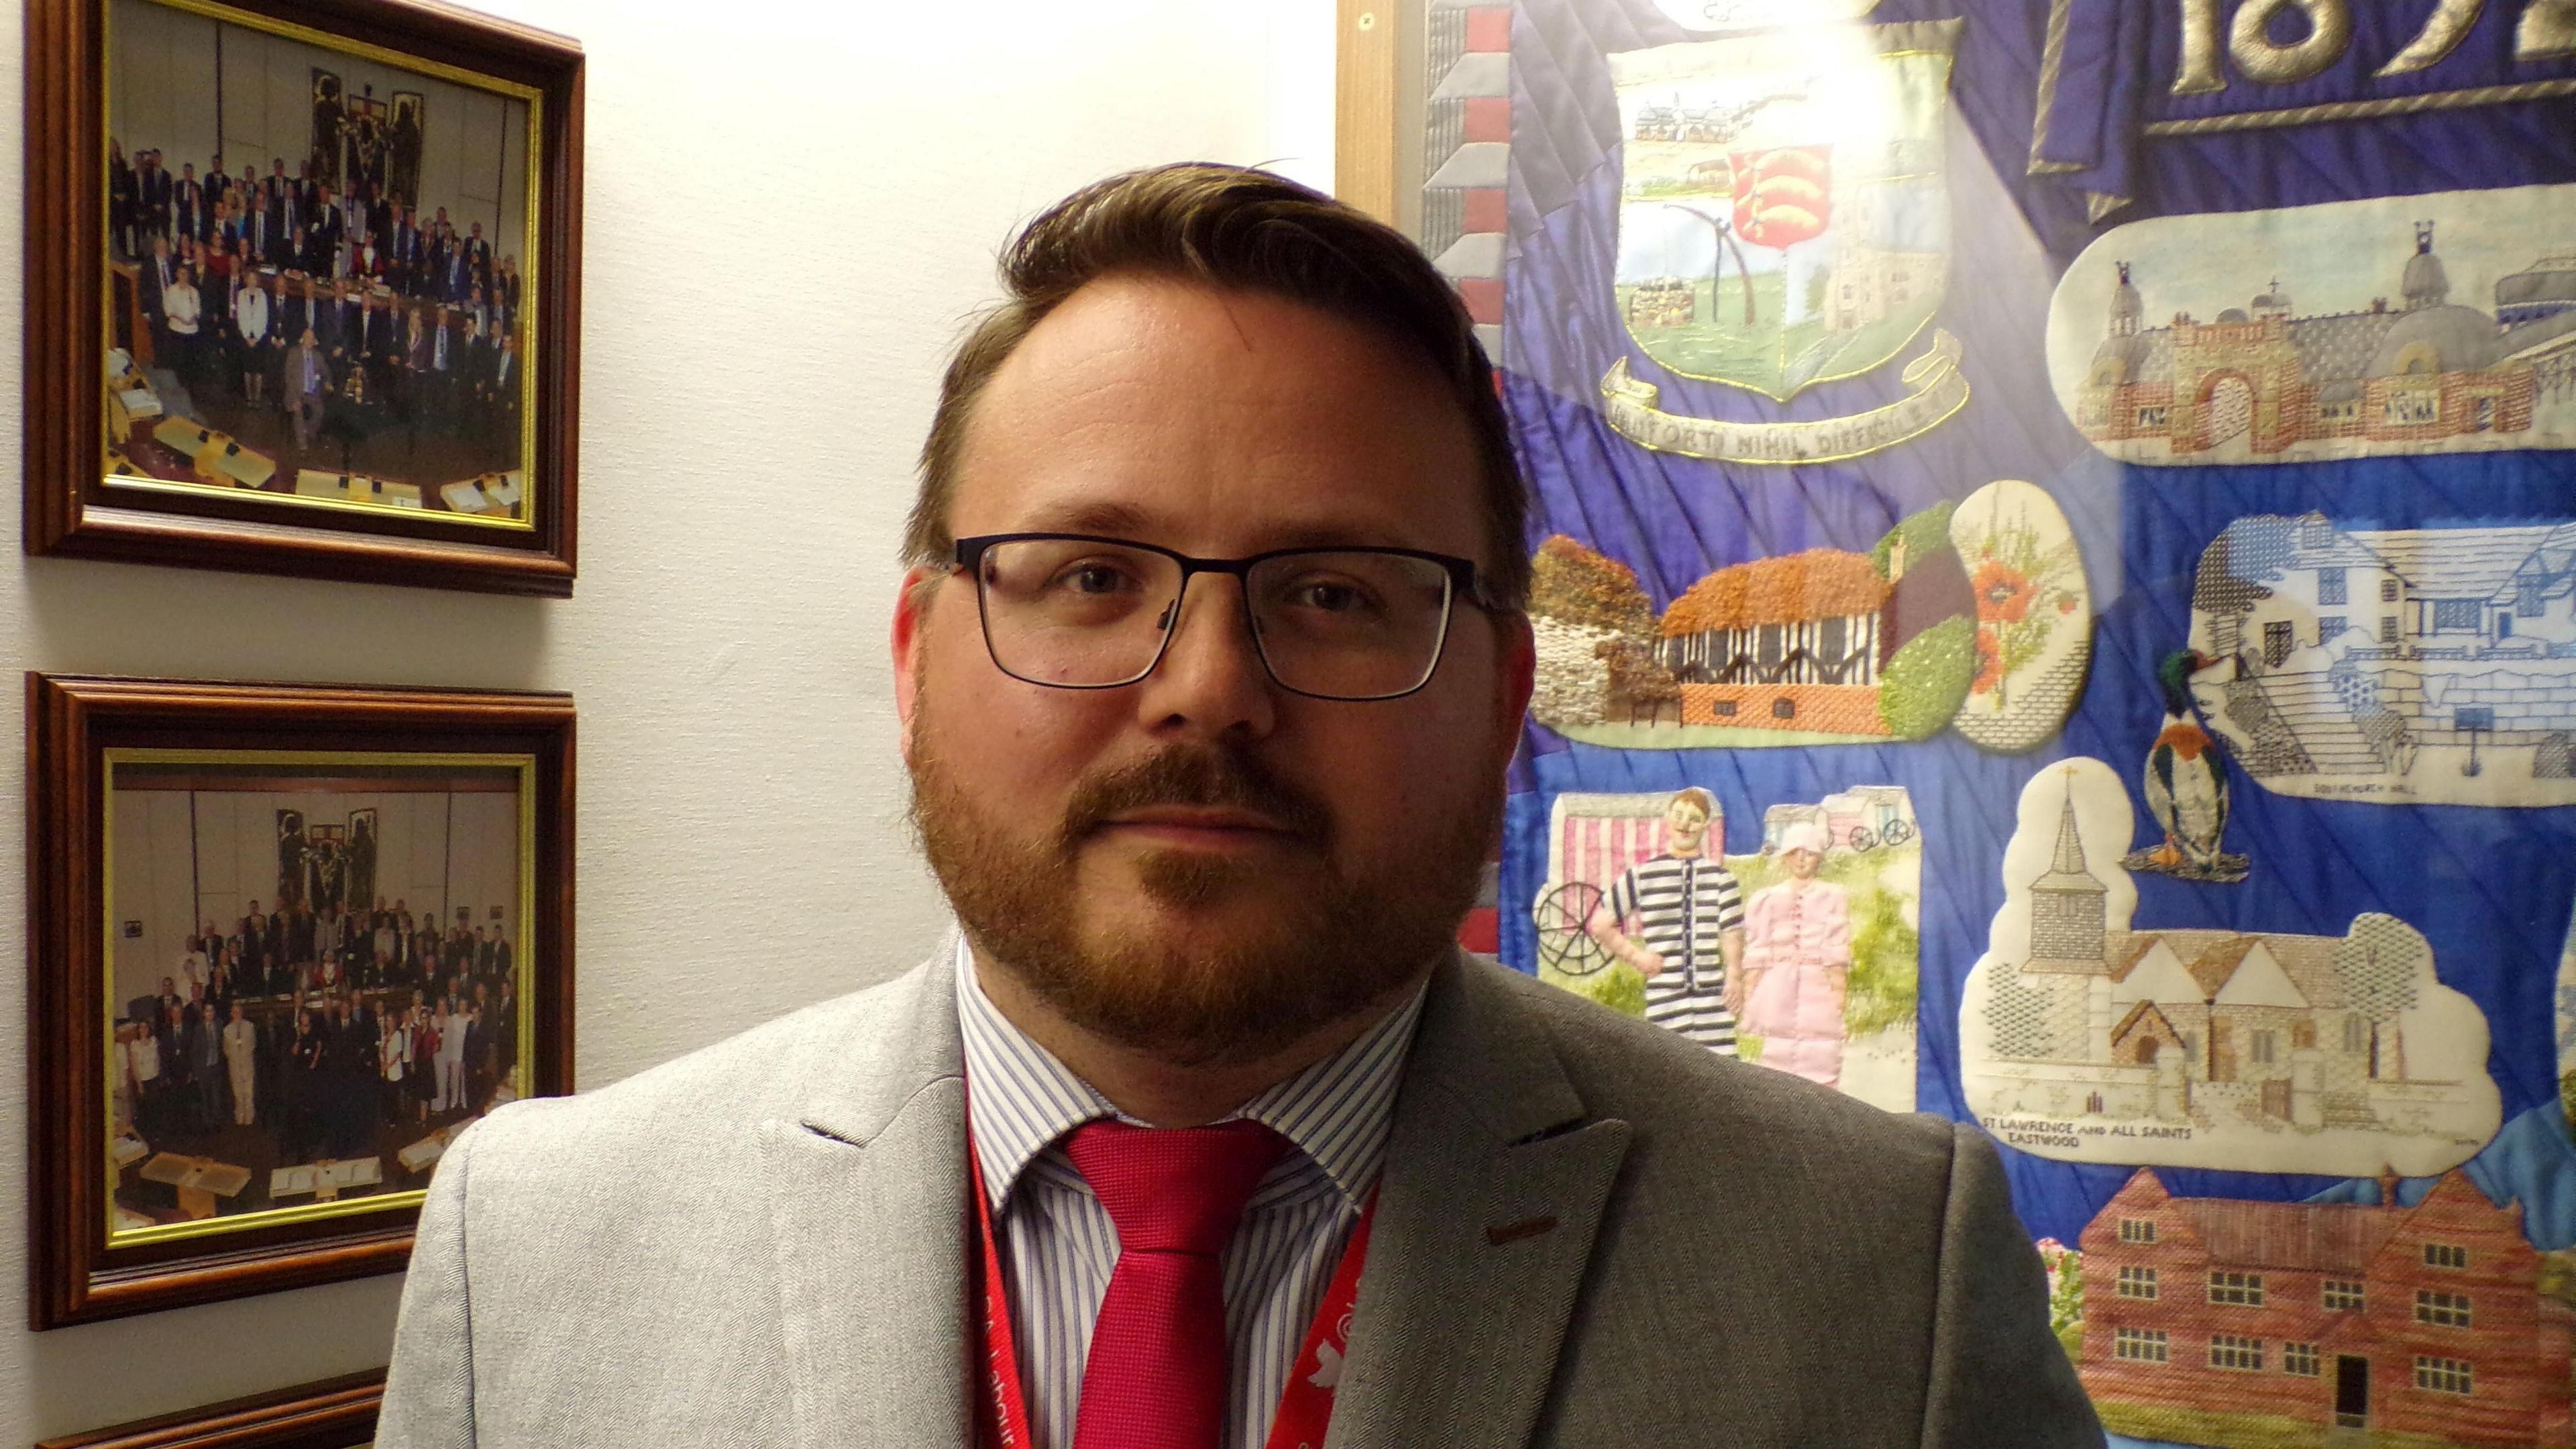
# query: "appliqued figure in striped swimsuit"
[1679,919]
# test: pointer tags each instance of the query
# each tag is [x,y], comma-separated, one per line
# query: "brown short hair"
[1245,230]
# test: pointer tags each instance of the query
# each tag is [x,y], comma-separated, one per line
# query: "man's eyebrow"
[1118,520]
[1121,520]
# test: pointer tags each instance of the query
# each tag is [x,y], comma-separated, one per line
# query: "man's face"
[1202,864]
[1685,825]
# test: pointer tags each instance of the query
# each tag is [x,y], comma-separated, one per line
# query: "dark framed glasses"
[1078,611]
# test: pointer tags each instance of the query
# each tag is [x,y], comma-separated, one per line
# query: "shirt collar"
[1021,1099]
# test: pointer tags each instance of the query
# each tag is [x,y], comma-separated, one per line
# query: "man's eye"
[1092,579]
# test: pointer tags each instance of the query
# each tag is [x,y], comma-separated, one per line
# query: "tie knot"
[1174,1190]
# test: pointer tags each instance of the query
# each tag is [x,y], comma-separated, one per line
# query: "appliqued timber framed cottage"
[2425,1320]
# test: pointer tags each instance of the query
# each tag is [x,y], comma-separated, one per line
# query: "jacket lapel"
[868,1198]
[1495,1185]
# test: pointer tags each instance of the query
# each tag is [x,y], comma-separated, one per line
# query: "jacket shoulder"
[713,1098]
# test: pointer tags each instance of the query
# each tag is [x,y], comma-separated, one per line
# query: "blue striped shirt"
[1058,1245]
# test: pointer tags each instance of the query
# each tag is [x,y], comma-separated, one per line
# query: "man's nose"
[1211,680]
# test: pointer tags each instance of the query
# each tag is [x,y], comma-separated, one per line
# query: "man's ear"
[911,612]
[1516,674]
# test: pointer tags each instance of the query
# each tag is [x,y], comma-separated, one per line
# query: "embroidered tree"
[1576,585]
[2382,964]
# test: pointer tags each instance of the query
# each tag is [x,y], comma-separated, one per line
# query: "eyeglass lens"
[1343,624]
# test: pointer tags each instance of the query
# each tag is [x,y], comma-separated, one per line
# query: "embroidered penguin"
[2186,785]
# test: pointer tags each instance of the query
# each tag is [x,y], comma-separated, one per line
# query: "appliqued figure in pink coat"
[1797,957]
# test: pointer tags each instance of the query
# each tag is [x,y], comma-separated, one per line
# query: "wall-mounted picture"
[269,1072]
[337,1413]
[306,300]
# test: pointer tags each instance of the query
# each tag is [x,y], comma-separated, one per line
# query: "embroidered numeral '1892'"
[2545,30]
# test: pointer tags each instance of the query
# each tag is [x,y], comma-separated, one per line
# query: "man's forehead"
[1141,405]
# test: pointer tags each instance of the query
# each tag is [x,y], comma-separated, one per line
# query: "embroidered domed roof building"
[2424,371]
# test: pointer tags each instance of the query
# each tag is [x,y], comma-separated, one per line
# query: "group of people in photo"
[325,1029]
[299,297]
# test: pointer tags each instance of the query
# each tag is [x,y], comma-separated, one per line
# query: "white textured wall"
[790,208]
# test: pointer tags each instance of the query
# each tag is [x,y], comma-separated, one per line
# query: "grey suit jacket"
[1590,1233]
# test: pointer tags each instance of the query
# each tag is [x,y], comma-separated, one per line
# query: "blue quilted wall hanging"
[2055,547]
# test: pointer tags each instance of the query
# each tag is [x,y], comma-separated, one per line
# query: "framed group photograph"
[336,1413]
[286,941]
[303,290]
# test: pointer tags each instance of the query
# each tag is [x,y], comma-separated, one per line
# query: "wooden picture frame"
[335,1413]
[160,1178]
[217,483]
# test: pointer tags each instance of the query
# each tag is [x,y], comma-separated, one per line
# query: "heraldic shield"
[1783,219]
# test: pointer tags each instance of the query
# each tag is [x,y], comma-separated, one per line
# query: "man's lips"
[1200,825]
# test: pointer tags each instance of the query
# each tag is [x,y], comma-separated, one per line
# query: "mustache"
[1209,778]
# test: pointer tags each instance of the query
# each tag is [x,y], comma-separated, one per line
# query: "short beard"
[1336,946]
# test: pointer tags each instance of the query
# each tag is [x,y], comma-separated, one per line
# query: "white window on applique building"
[2444,1375]
[2442,1310]
[2242,1290]
[2229,1351]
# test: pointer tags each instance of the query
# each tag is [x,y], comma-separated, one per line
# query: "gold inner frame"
[531,269]
[526,768]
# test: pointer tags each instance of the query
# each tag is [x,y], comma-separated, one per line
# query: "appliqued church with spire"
[2210,1029]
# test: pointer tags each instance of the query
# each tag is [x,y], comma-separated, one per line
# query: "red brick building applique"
[2246,1325]
[2424,372]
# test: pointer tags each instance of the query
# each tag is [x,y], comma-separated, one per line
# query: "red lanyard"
[1305,1407]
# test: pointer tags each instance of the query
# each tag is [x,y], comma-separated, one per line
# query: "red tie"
[1157,1373]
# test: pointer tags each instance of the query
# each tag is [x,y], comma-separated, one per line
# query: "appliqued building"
[2404,1320]
[2210,1027]
[2354,650]
[2426,370]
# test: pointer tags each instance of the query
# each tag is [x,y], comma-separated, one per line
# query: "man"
[304,311]
[158,276]
[241,1058]
[501,426]
[338,329]
[289,213]
[217,183]
[402,252]
[322,256]
[301,929]
[1689,914]
[188,204]
[1208,893]
[308,383]
[156,190]
[258,227]
[455,276]
[438,381]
